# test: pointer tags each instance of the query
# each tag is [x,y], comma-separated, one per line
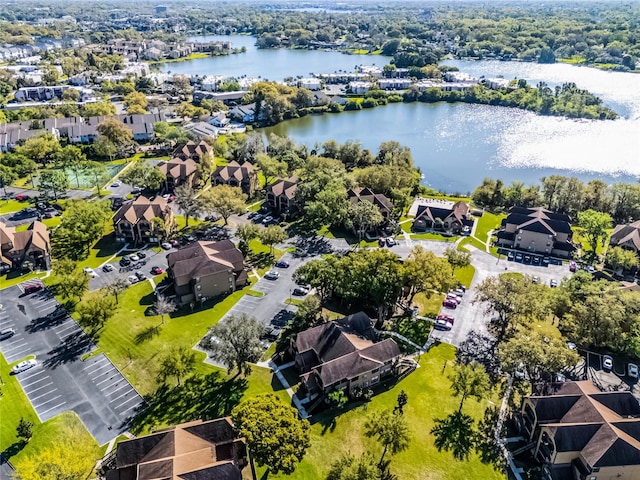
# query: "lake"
[456,145]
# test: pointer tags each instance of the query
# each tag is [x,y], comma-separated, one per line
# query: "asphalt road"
[61,381]
[153,259]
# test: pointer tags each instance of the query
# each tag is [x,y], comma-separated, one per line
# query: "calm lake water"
[457,145]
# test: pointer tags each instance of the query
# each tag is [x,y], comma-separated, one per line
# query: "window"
[375,370]
[374,379]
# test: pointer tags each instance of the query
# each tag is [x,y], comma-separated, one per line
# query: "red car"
[21,197]
[444,322]
[447,303]
[156,270]
[32,288]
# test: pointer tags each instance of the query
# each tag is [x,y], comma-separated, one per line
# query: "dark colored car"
[447,303]
[32,288]
[125,262]
[156,270]
[141,255]
[141,276]
[282,264]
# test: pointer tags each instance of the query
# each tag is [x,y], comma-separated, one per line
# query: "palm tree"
[454,433]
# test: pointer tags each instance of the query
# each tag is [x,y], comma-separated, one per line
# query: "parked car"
[444,322]
[116,184]
[141,276]
[90,271]
[267,219]
[50,214]
[125,262]
[459,292]
[58,314]
[632,368]
[536,260]
[391,242]
[132,279]
[156,270]
[607,363]
[572,266]
[382,241]
[300,291]
[174,243]
[510,256]
[7,333]
[527,258]
[448,303]
[107,267]
[21,197]
[133,257]
[455,298]
[546,260]
[23,366]
[166,245]
[258,218]
[553,283]
[272,275]
[271,332]
[591,269]
[32,288]
[282,264]
[535,279]
[518,257]
[141,255]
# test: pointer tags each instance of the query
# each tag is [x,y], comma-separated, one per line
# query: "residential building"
[236,175]
[180,172]
[10,138]
[581,433]
[192,150]
[281,196]
[626,236]
[360,87]
[441,215]
[310,83]
[190,451]
[537,230]
[202,129]
[133,221]
[394,83]
[141,125]
[244,113]
[205,270]
[360,194]
[343,355]
[45,94]
[32,244]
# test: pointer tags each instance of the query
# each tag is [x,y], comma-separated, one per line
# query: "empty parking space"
[61,380]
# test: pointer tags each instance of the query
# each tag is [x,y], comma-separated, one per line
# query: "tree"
[143,175]
[390,430]
[73,284]
[402,400]
[103,147]
[539,355]
[206,166]
[95,310]
[181,83]
[349,467]
[246,233]
[363,216]
[144,85]
[457,258]
[98,109]
[117,133]
[275,436]
[97,173]
[41,149]
[224,200]
[55,181]
[24,429]
[178,363]
[212,106]
[514,299]
[187,201]
[481,349]
[82,224]
[136,102]
[425,273]
[71,158]
[71,95]
[235,342]
[271,235]
[595,226]
[271,167]
[338,398]
[470,380]
[63,459]
[163,306]
[454,433]
[7,177]
[115,287]
[618,257]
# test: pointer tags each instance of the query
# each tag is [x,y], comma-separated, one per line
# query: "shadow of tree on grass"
[11,451]
[147,334]
[199,397]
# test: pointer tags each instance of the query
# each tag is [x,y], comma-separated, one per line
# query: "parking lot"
[61,381]
[152,259]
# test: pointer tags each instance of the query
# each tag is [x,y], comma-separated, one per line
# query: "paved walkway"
[296,401]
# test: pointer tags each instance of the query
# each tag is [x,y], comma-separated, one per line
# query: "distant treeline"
[563,194]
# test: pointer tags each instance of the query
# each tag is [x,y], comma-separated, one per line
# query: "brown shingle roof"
[178,168]
[141,208]
[360,194]
[234,170]
[192,149]
[627,236]
[36,235]
[203,258]
[285,187]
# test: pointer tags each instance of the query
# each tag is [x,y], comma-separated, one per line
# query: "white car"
[455,298]
[132,279]
[272,275]
[22,366]
[116,184]
[90,271]
[166,246]
[133,257]
[607,363]
[632,370]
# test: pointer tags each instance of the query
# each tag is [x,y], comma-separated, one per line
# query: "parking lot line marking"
[127,401]
[31,392]
[111,384]
[122,395]
[43,395]
[13,346]
[131,408]
[107,379]
[31,377]
[106,372]
[56,406]
[101,365]
[37,381]
[65,327]
[44,403]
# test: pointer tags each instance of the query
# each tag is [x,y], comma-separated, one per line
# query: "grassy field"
[465,275]
[333,433]
[428,307]
[15,277]
[9,206]
[488,221]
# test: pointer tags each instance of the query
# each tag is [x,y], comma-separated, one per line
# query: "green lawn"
[488,221]
[433,236]
[428,307]
[9,206]
[49,222]
[465,275]
[429,397]
[579,239]
[15,277]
